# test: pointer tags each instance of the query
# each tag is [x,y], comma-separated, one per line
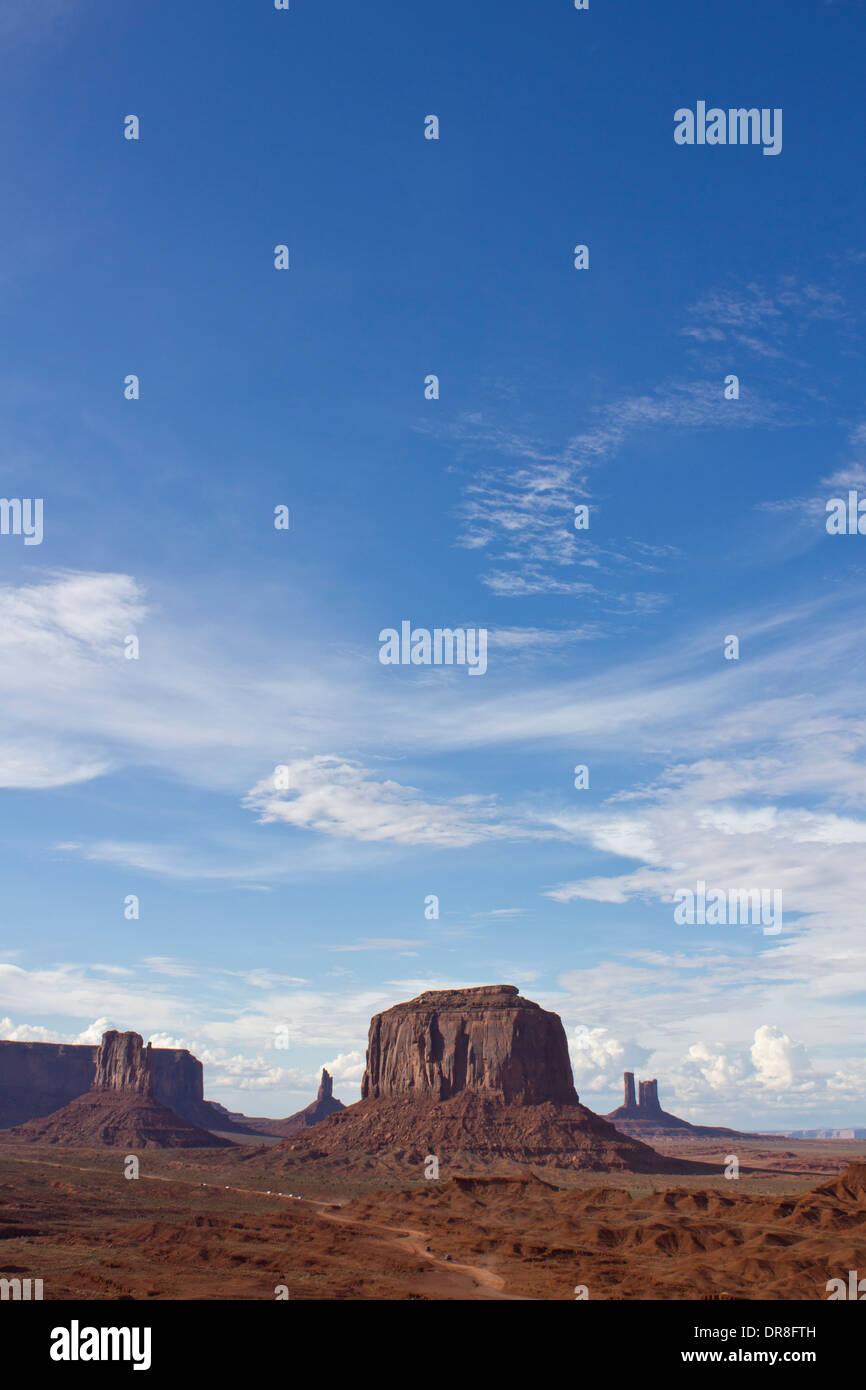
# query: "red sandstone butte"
[488,1040]
[119,1110]
[477,1077]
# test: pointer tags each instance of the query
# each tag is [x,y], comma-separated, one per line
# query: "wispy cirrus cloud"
[520,519]
[520,642]
[344,799]
[523,519]
[811,509]
[768,322]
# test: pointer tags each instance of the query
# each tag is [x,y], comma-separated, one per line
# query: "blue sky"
[304,910]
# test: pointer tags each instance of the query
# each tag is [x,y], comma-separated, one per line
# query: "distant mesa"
[850,1133]
[36,1079]
[476,1077]
[119,1110]
[644,1118]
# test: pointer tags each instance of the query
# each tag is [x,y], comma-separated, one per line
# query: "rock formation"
[646,1119]
[38,1078]
[119,1109]
[123,1064]
[648,1101]
[319,1109]
[476,1077]
[487,1040]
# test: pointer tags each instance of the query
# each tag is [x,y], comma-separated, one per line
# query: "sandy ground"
[197,1225]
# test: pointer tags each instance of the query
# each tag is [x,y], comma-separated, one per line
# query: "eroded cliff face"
[178,1081]
[124,1064]
[486,1040]
[38,1078]
[648,1097]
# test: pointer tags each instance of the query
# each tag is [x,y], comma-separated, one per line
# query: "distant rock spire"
[326,1086]
[649,1097]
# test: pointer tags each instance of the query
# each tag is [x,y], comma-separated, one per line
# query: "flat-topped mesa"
[487,1040]
[124,1064]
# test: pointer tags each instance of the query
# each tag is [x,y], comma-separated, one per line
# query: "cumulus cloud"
[93,1033]
[779,1064]
[167,1040]
[243,1073]
[774,1073]
[347,1067]
[711,1083]
[717,1071]
[598,1059]
[27,1032]
[34,1032]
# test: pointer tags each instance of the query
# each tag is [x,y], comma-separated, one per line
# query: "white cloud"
[779,1064]
[700,822]
[76,992]
[598,1059]
[548,643]
[167,965]
[225,1072]
[239,1053]
[41,763]
[93,1033]
[774,1073]
[27,1032]
[718,1072]
[34,1032]
[522,519]
[167,1040]
[343,799]
[765,320]
[755,1083]
[347,1067]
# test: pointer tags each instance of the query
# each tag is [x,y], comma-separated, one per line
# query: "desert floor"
[200,1224]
